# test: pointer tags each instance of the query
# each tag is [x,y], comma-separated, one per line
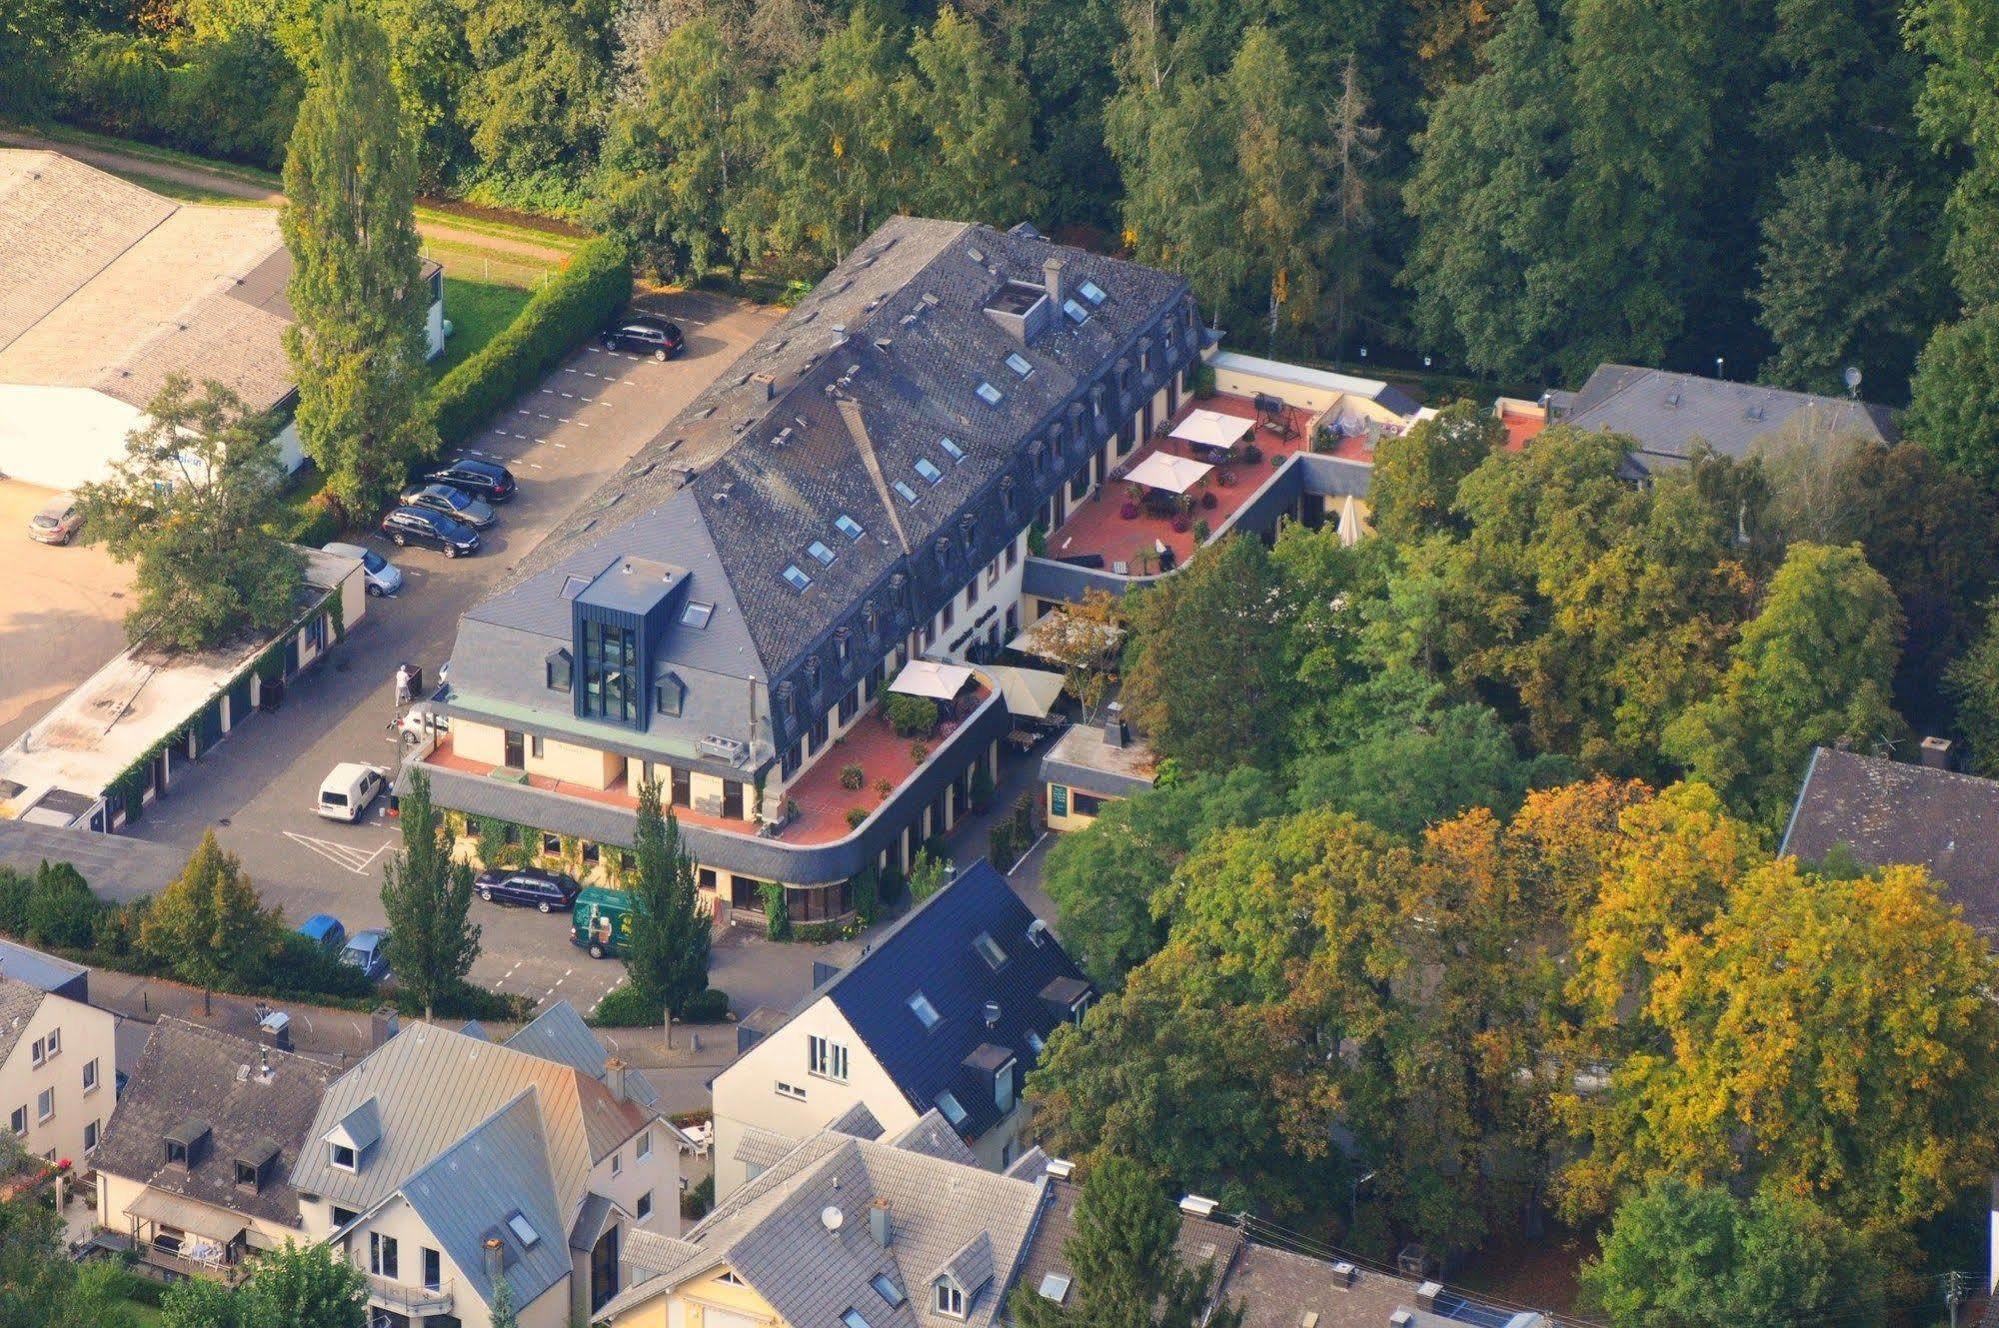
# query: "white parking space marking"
[340,855]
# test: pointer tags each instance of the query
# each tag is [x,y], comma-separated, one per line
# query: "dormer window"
[787,697]
[1019,364]
[989,394]
[176,1153]
[840,640]
[951,449]
[670,695]
[1092,292]
[812,672]
[928,470]
[246,1175]
[950,1298]
[341,1157]
[1038,453]
[560,669]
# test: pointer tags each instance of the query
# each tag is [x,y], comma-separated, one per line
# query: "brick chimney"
[496,1260]
[1115,732]
[382,1026]
[1936,753]
[1051,277]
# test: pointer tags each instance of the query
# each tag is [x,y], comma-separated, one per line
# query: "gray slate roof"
[45,971]
[820,418]
[18,1003]
[1887,812]
[771,1233]
[1667,413]
[188,1071]
[467,1192]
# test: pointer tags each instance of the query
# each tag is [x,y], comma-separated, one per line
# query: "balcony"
[824,803]
[444,757]
[1113,526]
[407,1299]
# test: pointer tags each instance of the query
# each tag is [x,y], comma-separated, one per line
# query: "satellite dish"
[1853,378]
[831,1218]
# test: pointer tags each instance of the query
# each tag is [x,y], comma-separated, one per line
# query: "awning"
[1040,637]
[1171,473]
[1211,428]
[164,1209]
[941,682]
[1028,692]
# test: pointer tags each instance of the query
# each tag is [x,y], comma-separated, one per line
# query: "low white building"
[123,736]
[107,288]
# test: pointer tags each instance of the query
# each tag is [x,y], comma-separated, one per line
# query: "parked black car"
[644,335]
[450,500]
[546,891]
[481,479]
[416,525]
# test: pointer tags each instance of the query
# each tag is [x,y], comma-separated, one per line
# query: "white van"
[346,792]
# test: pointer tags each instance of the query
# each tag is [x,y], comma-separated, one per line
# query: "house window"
[728,1275]
[535,747]
[523,1230]
[45,1105]
[903,491]
[1035,1042]
[670,696]
[645,1145]
[989,394]
[796,579]
[39,1052]
[847,526]
[246,1175]
[343,1216]
[618,1163]
[950,1300]
[1003,1087]
[850,705]
[382,1260]
[989,950]
[19,1121]
[950,614]
[559,666]
[90,1076]
[55,1041]
[1077,313]
[644,1209]
[886,1288]
[1019,364]
[610,673]
[732,799]
[792,1091]
[954,1110]
[826,1058]
[1012,553]
[925,1012]
[341,1156]
[433,1269]
[1088,804]
[1092,292]
[90,1136]
[696,614]
[820,553]
[852,1319]
[551,845]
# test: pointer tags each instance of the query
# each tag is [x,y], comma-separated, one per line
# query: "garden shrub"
[708,1006]
[575,304]
[911,716]
[852,777]
[231,97]
[623,1007]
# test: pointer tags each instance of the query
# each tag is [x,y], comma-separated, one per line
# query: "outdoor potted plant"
[1128,511]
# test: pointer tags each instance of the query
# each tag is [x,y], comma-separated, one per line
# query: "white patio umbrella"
[1211,428]
[1171,473]
[939,682]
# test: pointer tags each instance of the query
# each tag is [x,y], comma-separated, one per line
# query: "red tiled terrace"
[822,802]
[1098,525]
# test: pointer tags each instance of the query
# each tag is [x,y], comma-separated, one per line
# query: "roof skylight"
[820,552]
[925,1012]
[1019,363]
[908,494]
[1077,313]
[696,614]
[989,949]
[989,394]
[953,1110]
[797,579]
[852,1318]
[1055,1287]
[847,526]
[886,1288]
[951,449]
[523,1230]
[928,469]
[1092,292]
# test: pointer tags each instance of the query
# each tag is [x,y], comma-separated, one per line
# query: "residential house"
[194,1167]
[1090,765]
[1670,414]
[1883,812]
[58,1057]
[107,289]
[947,1012]
[857,1228]
[442,1163]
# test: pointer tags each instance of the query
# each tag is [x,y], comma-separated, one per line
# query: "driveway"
[561,440]
[61,618]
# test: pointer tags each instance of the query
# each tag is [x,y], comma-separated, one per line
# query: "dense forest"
[1779,188]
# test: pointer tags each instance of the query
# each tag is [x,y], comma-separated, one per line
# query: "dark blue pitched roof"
[931,951]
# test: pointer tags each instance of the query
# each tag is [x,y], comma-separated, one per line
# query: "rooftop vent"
[1401,1319]
[1195,1205]
[991,1011]
[976,255]
[1426,1295]
[1061,1168]
[1343,1274]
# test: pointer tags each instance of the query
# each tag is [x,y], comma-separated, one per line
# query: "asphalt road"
[258,788]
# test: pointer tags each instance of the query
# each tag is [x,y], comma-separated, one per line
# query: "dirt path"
[236,187]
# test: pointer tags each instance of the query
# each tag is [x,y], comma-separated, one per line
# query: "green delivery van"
[601,921]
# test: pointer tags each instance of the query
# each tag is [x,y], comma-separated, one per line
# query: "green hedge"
[232,98]
[622,1008]
[576,303]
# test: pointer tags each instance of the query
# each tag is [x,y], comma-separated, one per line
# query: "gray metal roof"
[433,1086]
[49,972]
[773,1233]
[190,1071]
[467,1192]
[821,418]
[559,1034]
[1669,413]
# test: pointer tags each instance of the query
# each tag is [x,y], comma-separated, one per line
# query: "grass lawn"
[185,193]
[477,310]
[144,1315]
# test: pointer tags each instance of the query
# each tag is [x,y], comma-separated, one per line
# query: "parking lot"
[258,788]
[61,617]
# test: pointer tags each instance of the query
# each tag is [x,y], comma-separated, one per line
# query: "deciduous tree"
[541,73]
[209,922]
[976,133]
[305,1286]
[356,288]
[1416,476]
[427,895]
[189,502]
[1954,397]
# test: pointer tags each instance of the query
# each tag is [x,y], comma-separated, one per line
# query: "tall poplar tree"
[428,900]
[356,288]
[666,960]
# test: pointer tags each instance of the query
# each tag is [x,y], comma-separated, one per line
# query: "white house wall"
[60,437]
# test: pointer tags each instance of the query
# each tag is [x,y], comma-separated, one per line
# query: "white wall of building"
[60,437]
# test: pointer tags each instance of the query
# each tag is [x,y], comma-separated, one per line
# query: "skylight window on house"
[951,449]
[1055,1287]
[1077,313]
[953,1110]
[795,578]
[989,394]
[1092,292]
[928,470]
[847,526]
[819,551]
[852,1319]
[907,494]
[925,1012]
[696,614]
[886,1288]
[523,1230]
[1019,364]
[989,950]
